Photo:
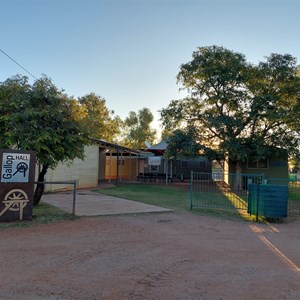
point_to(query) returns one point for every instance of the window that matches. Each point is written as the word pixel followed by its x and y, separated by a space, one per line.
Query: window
pixel 184 164
pixel 258 164
pixel 153 168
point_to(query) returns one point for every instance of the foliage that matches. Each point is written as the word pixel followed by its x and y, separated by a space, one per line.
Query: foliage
pixel 294 165
pixel 97 120
pixel 182 143
pixel 138 129
pixel 238 108
pixel 39 117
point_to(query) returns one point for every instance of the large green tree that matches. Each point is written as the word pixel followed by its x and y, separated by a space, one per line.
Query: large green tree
pixel 137 129
pixel 182 143
pixel 97 119
pixel 40 117
pixel 238 108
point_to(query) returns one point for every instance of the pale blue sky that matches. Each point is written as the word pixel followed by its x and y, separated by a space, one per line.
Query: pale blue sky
pixel 129 52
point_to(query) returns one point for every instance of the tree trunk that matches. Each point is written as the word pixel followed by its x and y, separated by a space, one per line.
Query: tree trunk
pixel 238 177
pixel 39 190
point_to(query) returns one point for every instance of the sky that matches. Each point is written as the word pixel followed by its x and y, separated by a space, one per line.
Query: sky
pixel 130 52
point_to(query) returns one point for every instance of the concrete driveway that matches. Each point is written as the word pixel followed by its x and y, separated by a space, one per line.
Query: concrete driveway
pixel 89 203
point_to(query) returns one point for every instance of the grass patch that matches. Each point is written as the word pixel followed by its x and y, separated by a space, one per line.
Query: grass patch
pixel 159 195
pixel 42 214
pixel 172 197
pixel 294 192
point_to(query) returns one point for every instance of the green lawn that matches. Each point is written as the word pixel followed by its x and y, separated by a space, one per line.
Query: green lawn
pixel 168 197
pixel 42 214
pixel 171 196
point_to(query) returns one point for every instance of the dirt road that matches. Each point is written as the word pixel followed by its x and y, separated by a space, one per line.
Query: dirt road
pixel 151 256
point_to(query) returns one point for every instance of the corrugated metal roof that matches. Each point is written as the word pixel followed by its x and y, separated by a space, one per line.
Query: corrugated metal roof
pixel 105 144
pixel 160 146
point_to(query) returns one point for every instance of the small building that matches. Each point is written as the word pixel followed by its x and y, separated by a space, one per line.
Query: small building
pixel 175 169
pixel 85 172
pixel 271 167
pixel 184 167
pixel 104 161
pixel 259 171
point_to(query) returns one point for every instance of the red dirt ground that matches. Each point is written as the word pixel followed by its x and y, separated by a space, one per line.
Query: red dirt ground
pixel 151 256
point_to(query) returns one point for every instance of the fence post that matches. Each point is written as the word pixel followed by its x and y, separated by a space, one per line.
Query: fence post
pixel 74 197
pixel 191 191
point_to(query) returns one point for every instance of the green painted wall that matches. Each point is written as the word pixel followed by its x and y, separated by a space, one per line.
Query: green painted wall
pixel 277 168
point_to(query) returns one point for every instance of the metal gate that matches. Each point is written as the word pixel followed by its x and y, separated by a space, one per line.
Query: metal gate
pixel 61 194
pixel 230 191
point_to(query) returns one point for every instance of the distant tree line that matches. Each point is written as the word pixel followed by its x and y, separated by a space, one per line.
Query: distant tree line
pixel 233 108
pixel 42 118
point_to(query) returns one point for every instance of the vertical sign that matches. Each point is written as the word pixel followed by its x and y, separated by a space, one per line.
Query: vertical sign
pixel 16 184
pixel 15 167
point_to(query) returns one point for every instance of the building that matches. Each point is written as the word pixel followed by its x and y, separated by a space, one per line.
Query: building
pixel 104 161
pixel 175 169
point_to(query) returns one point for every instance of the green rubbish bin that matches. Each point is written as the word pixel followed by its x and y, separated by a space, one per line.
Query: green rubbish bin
pixel 268 200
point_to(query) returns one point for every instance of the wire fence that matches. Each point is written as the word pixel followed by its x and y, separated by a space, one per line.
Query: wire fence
pixel 61 194
pixel 231 191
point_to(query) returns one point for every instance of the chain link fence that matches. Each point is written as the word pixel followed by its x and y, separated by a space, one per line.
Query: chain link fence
pixel 230 191
pixel 61 194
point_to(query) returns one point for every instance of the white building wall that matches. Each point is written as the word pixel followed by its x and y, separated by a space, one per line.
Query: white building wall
pixel 85 172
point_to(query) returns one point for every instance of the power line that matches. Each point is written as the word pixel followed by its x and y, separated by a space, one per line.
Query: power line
pixel 18 64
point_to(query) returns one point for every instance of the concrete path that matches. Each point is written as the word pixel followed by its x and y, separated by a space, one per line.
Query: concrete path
pixel 90 203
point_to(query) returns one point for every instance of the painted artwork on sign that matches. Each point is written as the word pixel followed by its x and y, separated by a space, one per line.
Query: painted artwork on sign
pixel 15 200
pixel 17 177
pixel 15 167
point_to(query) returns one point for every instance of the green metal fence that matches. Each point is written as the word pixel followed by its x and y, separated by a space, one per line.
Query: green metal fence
pixel 231 191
